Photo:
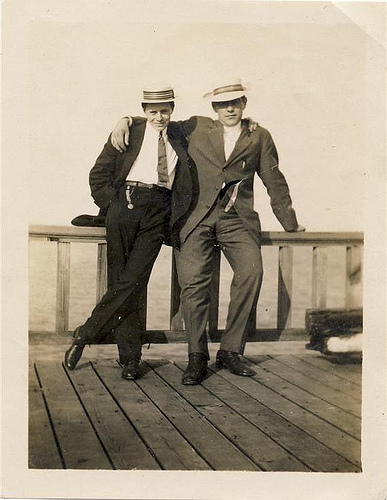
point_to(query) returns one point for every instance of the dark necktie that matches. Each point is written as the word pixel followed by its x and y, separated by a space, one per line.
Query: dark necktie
pixel 162 168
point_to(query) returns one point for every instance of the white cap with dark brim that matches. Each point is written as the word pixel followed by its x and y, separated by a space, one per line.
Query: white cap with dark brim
pixel 233 90
pixel 158 95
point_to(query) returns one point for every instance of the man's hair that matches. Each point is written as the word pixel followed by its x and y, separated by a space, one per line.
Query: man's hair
pixel 145 104
pixel 216 105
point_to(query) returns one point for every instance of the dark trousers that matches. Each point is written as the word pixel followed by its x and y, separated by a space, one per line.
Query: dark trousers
pixel 134 238
pixel 194 267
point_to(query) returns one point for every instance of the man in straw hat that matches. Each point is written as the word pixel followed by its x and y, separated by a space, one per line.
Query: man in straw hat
pixel 134 189
pixel 227 155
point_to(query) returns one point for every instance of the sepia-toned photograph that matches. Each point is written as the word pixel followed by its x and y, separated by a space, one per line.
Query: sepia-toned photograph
pixel 195 225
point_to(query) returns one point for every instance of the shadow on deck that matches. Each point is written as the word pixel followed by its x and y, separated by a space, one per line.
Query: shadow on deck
pixel 300 412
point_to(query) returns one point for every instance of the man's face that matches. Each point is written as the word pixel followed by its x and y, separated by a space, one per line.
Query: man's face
pixel 230 112
pixel 158 115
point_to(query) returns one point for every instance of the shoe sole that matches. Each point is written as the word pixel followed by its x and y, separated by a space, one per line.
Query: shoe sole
pixel 191 383
pixel 220 365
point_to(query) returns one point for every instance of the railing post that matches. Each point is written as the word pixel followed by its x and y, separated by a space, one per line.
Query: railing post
pixel 319 277
pixel 101 271
pixel 175 315
pixel 353 276
pixel 63 286
pixel 285 282
pixel 214 294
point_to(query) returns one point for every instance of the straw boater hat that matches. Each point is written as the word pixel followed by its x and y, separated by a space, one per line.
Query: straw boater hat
pixel 155 95
pixel 230 90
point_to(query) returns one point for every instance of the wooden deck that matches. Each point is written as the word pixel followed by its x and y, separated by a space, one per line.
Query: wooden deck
pixel 300 412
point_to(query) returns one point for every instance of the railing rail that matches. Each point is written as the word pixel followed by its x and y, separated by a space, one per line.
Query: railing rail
pixel 319 241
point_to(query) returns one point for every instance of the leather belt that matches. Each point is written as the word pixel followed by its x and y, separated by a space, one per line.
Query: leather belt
pixel 145 185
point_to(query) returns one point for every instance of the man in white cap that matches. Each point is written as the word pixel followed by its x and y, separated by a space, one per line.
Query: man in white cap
pixel 227 155
pixel 134 189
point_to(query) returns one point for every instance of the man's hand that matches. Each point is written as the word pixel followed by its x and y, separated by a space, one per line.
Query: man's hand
pixel 120 134
pixel 252 125
pixel 299 229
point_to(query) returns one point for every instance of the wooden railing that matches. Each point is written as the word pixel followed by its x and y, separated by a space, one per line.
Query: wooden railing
pixel 352 241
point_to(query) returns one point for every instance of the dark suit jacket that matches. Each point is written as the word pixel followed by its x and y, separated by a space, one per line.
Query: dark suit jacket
pixel 254 152
pixel 112 167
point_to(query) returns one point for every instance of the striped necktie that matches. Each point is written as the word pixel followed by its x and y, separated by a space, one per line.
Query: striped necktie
pixel 162 168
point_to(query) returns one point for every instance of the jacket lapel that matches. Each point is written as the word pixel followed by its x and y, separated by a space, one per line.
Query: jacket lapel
pixel 215 136
pixel 175 143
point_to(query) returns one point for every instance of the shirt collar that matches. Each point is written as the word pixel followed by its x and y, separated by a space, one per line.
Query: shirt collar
pixel 157 132
pixel 235 129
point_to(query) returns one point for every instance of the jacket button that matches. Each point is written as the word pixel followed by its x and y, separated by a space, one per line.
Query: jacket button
pixel 216 188
pixel 208 206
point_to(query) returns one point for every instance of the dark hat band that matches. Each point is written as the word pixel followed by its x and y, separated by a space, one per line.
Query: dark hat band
pixel 229 88
pixel 164 95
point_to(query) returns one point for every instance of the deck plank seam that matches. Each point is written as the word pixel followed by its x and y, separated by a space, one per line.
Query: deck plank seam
pixel 260 466
pixel 316 416
pixel 321 367
pixel 200 414
pixel 89 419
pixel 314 378
pixel 285 421
pixel 293 424
pixel 45 402
pixel 351 413
pixel 139 434
pixel 288 365
pixel 248 420
pixel 310 410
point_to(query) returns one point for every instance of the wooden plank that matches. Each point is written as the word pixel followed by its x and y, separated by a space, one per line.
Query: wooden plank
pixel 268 238
pixel 265 388
pixel 285 283
pixel 213 315
pixel 311 403
pixel 101 271
pixel 171 449
pixel 345 369
pixel 319 277
pixel 328 378
pixel 316 387
pixel 79 444
pixel 263 450
pixel 43 452
pixel 179 337
pixel 121 442
pixel 208 442
pixel 311 452
pixel 63 287
pixel 353 276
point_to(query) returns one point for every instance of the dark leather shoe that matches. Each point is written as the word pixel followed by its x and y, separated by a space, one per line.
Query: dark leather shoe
pixel 231 361
pixel 196 369
pixel 73 355
pixel 130 369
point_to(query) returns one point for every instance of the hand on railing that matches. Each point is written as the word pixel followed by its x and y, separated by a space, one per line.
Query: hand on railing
pixel 299 229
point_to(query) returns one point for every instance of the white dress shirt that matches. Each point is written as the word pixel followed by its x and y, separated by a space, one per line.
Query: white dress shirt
pixel 231 135
pixel 144 168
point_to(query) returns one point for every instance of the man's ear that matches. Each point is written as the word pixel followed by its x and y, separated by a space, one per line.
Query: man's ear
pixel 244 102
